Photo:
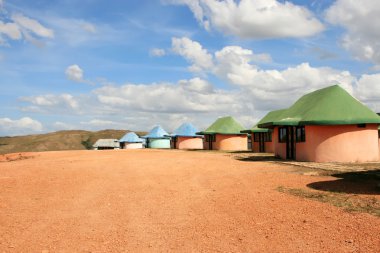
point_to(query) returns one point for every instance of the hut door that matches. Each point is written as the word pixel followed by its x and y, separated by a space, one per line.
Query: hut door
pixel 210 142
pixel 261 143
pixel 290 143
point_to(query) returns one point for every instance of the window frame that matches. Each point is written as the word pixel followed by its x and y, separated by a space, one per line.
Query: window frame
pixel 300 134
pixel 282 134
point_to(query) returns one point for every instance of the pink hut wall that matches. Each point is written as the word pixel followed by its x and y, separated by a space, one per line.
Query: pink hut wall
pixel 189 143
pixel 279 148
pixel 346 143
pixel 269 146
pixel 230 142
pixel 340 143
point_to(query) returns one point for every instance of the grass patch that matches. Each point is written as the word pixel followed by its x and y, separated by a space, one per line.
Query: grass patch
pixel 349 202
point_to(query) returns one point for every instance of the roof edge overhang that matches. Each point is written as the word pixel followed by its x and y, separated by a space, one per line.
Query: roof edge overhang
pixel 208 133
pixel 193 136
pixel 319 123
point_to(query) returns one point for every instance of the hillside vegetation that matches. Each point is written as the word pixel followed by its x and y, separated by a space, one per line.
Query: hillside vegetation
pixel 61 140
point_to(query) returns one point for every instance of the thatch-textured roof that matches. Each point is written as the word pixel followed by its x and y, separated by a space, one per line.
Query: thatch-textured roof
pixel 111 143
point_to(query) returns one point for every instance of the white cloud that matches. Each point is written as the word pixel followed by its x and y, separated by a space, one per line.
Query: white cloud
pixel 76 74
pixel 157 52
pixel 11 30
pixel 256 19
pixel 22 27
pixel 63 103
pixel 99 123
pixel 32 25
pixel 368 88
pixel 270 89
pixel 360 19
pixel 193 52
pixel 196 85
pixel 19 126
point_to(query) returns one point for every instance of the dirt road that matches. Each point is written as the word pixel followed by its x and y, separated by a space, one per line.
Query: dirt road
pixel 167 201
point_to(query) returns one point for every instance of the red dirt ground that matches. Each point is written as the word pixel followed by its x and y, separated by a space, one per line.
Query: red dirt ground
pixel 167 201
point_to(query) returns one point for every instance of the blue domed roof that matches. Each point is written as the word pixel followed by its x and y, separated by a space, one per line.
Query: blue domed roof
pixel 157 132
pixel 131 137
pixel 186 129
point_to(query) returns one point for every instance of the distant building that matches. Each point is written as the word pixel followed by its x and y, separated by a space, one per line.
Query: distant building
pixel 261 139
pixel 185 137
pixel 102 144
pixel 157 138
pixel 327 125
pixel 224 134
pixel 131 141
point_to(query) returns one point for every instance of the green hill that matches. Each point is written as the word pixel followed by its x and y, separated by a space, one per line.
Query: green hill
pixel 61 140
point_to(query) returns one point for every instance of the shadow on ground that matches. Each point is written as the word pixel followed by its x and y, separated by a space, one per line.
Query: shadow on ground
pixel 256 157
pixel 362 182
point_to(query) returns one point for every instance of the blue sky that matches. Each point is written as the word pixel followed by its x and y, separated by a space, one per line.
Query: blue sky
pixel 133 64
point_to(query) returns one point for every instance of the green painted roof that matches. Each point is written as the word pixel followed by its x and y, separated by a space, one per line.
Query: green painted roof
pixel 256 129
pixel 225 125
pixel 329 106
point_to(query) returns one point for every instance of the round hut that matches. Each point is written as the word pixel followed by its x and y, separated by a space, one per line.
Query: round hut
pixel 185 137
pixel 157 138
pixel 131 141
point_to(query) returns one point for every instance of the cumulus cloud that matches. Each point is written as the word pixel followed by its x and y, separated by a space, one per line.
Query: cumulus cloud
pixel 360 19
pixel 255 19
pixel 62 103
pixel 157 52
pixel 368 90
pixel 193 52
pixel 76 74
pixel 19 126
pixel 269 89
pixel 193 95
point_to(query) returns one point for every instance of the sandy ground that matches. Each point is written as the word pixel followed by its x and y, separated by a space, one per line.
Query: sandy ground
pixel 167 201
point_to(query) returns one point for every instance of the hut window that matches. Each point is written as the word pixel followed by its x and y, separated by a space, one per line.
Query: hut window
pixel 268 137
pixel 378 134
pixel 282 133
pixel 210 138
pixel 256 137
pixel 361 125
pixel 300 134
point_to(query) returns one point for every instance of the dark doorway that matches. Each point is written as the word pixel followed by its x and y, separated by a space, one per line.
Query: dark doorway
pixel 290 143
pixel 261 143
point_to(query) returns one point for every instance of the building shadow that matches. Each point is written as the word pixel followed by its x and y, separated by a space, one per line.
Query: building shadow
pixel 257 157
pixel 363 182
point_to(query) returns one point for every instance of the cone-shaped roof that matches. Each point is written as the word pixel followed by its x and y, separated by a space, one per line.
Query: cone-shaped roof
pixel 224 125
pixel 328 106
pixel 131 137
pixel 186 129
pixel 157 132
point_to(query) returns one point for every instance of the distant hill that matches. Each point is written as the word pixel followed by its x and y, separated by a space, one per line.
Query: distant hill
pixel 61 140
